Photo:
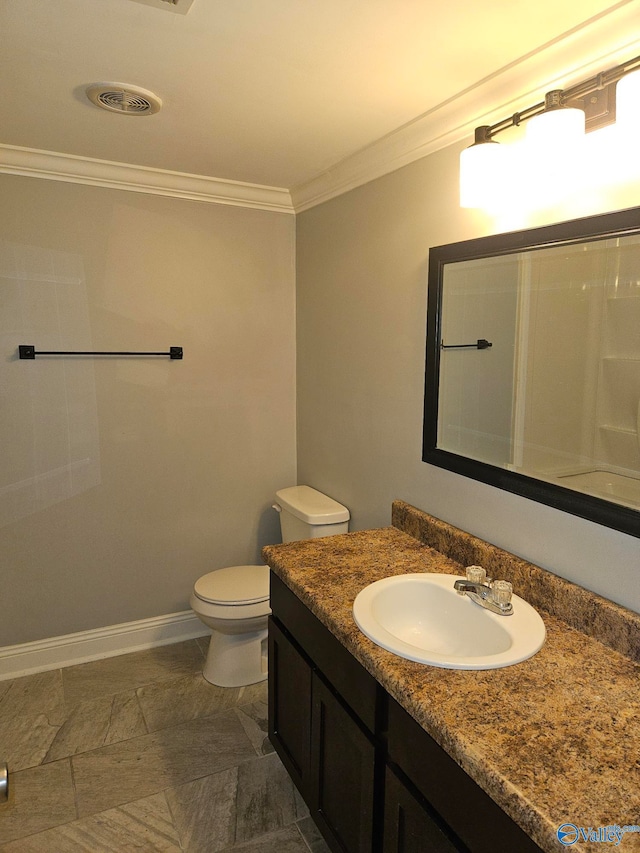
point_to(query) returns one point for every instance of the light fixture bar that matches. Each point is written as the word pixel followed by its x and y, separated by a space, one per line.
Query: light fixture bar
pixel 554 141
pixel 567 97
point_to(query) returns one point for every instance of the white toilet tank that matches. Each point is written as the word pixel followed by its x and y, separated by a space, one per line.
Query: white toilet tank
pixel 308 514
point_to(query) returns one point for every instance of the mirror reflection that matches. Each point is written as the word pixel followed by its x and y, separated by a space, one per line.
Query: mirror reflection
pixel 534 368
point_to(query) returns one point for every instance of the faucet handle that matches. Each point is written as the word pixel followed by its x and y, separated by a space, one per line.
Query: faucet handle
pixel 476 574
pixel 502 592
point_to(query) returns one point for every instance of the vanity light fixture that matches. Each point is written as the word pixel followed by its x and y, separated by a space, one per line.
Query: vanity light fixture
pixel 556 127
pixel 482 166
pixel 557 122
pixel 627 101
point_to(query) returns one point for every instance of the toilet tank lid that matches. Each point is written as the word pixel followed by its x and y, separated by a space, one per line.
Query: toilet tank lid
pixel 312 506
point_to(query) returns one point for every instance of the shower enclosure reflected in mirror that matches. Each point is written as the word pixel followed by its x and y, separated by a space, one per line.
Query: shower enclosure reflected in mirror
pixel 533 365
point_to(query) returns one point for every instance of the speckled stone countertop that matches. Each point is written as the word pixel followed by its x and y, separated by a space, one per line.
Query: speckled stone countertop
pixel 553 740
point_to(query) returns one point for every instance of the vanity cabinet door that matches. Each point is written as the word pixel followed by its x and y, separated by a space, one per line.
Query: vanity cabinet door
pixel 459 802
pixel 408 825
pixel 290 706
pixel 342 772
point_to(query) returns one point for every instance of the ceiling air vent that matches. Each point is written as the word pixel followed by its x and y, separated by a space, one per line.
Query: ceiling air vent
pixel 123 98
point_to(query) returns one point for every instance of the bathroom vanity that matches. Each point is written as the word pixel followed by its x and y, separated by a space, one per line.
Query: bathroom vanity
pixel 392 755
pixel 363 765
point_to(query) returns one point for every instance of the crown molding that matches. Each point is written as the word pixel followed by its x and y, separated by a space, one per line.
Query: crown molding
pixel 604 41
pixel 70 168
pixel 600 43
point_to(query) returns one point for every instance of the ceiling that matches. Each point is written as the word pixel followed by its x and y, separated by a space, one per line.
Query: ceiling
pixel 271 92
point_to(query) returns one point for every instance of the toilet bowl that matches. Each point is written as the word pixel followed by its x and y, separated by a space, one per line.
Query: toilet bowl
pixel 234 601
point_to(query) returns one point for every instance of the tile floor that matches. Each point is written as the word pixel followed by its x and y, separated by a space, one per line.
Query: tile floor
pixel 139 753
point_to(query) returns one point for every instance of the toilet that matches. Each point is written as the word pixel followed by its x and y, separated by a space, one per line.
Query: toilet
pixel 234 601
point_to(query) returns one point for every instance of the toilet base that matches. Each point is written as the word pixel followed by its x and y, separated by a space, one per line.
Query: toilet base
pixel 236 660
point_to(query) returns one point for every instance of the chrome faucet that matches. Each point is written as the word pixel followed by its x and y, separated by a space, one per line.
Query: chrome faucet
pixel 492 595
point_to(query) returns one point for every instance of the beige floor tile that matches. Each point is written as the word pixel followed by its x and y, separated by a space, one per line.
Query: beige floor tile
pixel 25 740
pixel 203 642
pixel 204 812
pixel 31 713
pixel 144 826
pixel 238 805
pixel 157 754
pixel 98 722
pixel 253 693
pixel 128 672
pixel 39 798
pixel 255 721
pixel 32 695
pixel 312 835
pixel 169 703
pixel 267 799
pixel 287 840
pixel 124 772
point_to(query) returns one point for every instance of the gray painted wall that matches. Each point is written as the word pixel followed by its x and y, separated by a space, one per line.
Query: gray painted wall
pixel 123 480
pixel 361 313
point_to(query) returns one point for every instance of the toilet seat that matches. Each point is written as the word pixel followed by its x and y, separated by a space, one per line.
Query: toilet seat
pixel 234 586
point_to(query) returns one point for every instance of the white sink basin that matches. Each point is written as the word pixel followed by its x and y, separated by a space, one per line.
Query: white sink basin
pixel 422 618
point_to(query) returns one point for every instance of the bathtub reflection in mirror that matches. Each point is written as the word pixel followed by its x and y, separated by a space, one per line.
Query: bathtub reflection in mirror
pixel 533 365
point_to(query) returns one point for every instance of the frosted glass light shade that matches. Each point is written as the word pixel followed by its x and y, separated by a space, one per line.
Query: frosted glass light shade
pixel 628 101
pixel 481 174
pixel 554 144
pixel 622 162
pixel 562 126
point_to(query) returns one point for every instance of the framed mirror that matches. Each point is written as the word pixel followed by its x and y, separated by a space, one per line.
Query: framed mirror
pixel 533 365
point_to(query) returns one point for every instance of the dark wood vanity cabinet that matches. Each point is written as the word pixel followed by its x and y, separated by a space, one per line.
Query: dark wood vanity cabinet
pixel 328 750
pixel 342 773
pixel 374 780
pixel 410 825
pixel 290 676
pixel 457 805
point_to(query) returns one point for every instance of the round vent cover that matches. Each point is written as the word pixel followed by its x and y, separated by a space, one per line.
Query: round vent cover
pixel 123 98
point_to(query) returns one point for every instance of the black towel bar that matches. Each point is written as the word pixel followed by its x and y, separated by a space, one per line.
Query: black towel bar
pixel 481 343
pixel 29 351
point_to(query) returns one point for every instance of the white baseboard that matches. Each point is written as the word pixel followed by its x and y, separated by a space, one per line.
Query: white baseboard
pixel 56 652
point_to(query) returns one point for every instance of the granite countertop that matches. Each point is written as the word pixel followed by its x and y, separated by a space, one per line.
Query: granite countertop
pixel 554 739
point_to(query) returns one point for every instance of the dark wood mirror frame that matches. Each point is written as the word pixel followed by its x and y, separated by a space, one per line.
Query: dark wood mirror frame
pixel 599 510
